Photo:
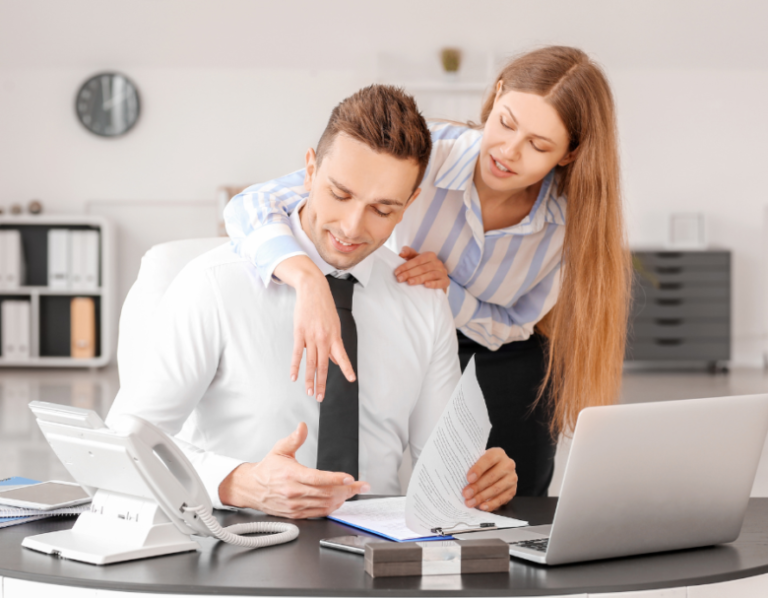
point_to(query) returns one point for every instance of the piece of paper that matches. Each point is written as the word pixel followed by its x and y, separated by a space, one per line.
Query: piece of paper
pixel 458 440
pixel 434 496
pixel 381 516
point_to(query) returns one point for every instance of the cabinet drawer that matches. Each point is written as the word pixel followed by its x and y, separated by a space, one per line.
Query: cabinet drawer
pixel 651 259
pixel 681 290
pixel 681 274
pixel 679 349
pixel 679 328
pixel 649 308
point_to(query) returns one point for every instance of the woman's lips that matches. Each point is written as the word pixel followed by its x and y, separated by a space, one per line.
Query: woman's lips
pixel 341 247
pixel 496 171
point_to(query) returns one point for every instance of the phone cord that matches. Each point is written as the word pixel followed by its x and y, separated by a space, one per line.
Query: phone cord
pixel 280 532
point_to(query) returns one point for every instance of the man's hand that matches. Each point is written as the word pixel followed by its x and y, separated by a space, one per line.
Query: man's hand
pixel 492 481
pixel 422 268
pixel 279 485
pixel 316 324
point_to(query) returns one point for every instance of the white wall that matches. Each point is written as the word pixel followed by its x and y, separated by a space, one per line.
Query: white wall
pixel 233 91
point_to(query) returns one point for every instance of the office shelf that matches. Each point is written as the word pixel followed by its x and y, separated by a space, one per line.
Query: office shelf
pixel 50 325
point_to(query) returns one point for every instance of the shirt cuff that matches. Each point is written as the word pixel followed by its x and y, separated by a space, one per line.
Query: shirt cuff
pixel 212 470
pixel 266 255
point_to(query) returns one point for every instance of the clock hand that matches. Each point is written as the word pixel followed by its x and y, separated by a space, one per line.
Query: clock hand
pixel 111 101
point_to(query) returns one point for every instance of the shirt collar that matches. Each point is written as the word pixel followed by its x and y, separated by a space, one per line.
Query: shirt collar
pixel 457 170
pixel 361 271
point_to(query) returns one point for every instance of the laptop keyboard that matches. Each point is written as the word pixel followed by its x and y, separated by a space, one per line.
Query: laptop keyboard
pixel 539 545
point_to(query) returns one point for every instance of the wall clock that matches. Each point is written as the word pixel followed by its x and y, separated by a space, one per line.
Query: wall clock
pixel 107 104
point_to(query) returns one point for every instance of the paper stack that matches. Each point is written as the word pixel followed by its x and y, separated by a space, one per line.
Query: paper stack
pixel 73 259
pixel 16 329
pixel 11 259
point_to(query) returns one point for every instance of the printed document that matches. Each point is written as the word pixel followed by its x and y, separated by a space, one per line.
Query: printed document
pixel 434 496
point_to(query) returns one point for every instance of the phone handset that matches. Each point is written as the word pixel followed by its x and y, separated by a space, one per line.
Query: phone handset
pixel 180 492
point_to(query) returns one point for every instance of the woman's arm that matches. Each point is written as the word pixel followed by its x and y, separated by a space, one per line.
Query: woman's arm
pixel 258 222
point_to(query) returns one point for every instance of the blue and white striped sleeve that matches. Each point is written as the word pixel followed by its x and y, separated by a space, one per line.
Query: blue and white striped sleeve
pixel 258 222
pixel 494 325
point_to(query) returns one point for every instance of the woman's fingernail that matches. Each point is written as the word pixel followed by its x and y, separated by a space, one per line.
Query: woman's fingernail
pixel 468 492
pixel 484 506
pixel 365 489
pixel 472 478
pixel 349 480
pixel 319 398
pixel 309 392
pixel 293 378
pixel 400 278
pixel 471 502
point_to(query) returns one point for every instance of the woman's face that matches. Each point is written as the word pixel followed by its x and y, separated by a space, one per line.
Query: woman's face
pixel 523 140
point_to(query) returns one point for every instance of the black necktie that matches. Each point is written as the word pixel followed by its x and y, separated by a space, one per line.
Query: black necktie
pixel 337 438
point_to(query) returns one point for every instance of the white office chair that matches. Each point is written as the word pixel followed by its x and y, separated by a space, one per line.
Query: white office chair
pixel 159 267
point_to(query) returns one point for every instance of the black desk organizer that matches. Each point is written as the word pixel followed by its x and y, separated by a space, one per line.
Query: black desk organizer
pixel 681 307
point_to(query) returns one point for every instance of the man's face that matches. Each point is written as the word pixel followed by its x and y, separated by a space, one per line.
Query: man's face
pixel 356 197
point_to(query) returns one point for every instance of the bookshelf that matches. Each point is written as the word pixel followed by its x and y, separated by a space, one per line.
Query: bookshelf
pixel 50 326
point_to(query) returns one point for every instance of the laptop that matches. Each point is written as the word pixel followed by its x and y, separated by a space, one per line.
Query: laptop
pixel 651 477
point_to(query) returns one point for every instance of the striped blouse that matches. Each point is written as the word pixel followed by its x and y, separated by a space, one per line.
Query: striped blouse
pixel 502 282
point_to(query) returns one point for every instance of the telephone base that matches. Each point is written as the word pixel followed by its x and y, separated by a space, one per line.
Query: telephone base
pixel 68 544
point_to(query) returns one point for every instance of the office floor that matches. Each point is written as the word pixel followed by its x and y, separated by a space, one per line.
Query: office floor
pixel 24 452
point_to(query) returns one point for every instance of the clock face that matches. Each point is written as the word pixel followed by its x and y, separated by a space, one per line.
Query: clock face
pixel 108 104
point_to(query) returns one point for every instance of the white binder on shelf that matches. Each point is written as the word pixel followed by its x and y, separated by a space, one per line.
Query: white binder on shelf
pixel 58 258
pixel 23 329
pixel 8 322
pixel 91 256
pixel 76 259
pixel 15 316
pixel 3 251
pixel 11 259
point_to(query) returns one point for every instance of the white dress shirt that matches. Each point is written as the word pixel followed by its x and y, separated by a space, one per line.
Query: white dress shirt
pixel 216 372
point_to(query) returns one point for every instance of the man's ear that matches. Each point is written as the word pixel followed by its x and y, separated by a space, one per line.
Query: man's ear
pixel 310 162
pixel 569 157
pixel 413 196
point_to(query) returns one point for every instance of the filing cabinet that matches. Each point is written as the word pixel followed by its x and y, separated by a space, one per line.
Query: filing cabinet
pixel 681 307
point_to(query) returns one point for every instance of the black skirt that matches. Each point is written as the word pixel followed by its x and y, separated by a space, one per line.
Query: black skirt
pixel 510 379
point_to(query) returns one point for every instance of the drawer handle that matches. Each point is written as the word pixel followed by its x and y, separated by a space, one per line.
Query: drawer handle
pixel 670 286
pixel 669 270
pixel 669 321
pixel 669 342
pixel 669 301
pixel 669 255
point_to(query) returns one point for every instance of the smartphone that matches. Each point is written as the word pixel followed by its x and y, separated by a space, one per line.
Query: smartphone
pixel 45 496
pixel 354 544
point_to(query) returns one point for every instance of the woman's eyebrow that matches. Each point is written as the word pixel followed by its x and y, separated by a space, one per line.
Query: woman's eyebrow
pixel 512 116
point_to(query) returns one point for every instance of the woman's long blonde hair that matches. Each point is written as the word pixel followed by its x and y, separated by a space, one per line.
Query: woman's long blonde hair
pixel 587 327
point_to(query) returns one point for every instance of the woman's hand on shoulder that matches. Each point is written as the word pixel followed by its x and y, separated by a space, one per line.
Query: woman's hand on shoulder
pixel 422 268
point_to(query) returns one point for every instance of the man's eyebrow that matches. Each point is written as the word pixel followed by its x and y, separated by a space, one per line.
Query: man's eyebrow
pixel 348 191
pixel 532 134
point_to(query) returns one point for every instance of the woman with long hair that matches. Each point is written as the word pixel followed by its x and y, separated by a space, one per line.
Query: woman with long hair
pixel 520 222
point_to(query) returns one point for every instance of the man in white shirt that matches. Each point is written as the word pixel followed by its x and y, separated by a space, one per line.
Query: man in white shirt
pixel 213 372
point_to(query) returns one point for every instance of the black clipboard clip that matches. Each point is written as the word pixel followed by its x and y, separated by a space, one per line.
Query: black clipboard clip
pixel 450 531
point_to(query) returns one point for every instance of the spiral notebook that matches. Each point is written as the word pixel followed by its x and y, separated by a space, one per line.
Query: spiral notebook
pixel 14 516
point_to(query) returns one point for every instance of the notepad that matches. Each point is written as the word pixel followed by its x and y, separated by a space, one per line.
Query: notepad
pixel 386 517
